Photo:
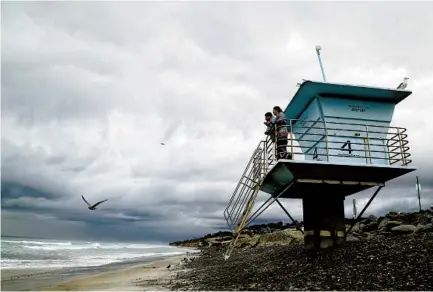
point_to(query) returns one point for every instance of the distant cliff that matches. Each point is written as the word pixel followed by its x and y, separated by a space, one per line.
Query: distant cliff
pixel 278 233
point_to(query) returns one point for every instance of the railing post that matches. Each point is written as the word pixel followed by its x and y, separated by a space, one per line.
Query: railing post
pixel 291 139
pixel 366 145
pixel 264 160
pixel 326 140
pixel 275 142
pixel 365 150
pixel 401 147
pixel 404 143
pixel 367 140
pixel 386 141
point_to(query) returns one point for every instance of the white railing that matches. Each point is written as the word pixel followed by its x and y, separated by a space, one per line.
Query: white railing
pixel 340 142
pixel 245 191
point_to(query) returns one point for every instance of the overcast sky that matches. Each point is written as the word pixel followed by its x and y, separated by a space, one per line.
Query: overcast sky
pixel 90 89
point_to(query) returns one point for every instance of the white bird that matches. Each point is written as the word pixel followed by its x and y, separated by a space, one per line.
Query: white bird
pixel 403 85
pixel 300 83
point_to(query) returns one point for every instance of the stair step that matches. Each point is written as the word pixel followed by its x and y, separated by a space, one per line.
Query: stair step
pixel 247 186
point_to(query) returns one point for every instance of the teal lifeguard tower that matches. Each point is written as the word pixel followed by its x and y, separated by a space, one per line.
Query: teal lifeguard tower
pixel 346 145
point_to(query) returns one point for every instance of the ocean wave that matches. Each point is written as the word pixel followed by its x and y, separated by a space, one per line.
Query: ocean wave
pixel 93 245
pixel 81 261
pixel 37 242
pixel 31 255
pixel 27 253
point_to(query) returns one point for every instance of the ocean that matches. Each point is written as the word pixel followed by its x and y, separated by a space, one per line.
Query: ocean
pixel 27 253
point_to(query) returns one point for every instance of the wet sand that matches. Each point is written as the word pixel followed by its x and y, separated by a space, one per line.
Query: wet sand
pixel 148 276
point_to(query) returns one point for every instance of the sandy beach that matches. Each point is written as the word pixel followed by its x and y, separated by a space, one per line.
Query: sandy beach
pixel 150 276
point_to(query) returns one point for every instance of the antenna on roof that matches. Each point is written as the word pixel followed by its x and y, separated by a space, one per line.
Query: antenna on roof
pixel 318 48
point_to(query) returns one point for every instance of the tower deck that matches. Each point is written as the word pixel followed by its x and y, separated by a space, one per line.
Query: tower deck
pixel 326 178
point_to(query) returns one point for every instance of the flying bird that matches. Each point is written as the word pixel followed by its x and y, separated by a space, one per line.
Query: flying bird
pixel 94 206
pixel 403 85
pixel 162 143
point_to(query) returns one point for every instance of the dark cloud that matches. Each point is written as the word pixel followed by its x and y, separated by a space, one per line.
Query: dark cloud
pixel 12 190
pixel 91 89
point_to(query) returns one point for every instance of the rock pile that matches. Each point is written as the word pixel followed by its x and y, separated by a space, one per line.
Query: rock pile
pixel 277 233
pixel 403 262
pixel 392 224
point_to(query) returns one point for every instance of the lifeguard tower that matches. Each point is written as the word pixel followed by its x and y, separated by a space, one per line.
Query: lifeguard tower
pixel 346 145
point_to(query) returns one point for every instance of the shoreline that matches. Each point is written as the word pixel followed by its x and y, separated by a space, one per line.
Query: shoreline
pixel 152 275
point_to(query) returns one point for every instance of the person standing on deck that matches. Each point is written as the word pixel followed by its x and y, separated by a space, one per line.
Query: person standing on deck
pixel 270 131
pixel 282 133
pixel 269 122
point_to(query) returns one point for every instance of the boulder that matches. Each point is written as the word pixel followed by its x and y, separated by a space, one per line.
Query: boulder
pixel 371 236
pixel 187 260
pixel 391 215
pixel 423 228
pixel 424 218
pixel 369 219
pixel 351 238
pixel 283 237
pixel 403 229
pixel 383 223
pixel 372 218
pixel 387 224
pixel 370 226
pixel 355 228
pixel 358 227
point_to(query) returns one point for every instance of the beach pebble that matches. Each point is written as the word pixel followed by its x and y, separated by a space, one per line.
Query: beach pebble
pixel 394 262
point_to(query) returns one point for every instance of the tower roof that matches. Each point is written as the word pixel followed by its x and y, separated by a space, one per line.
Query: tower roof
pixel 311 89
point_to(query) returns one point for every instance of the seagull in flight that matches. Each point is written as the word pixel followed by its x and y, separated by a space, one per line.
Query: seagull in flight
pixel 162 143
pixel 94 206
pixel 403 85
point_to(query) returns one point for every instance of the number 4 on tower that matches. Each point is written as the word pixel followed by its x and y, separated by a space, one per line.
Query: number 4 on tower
pixel 349 146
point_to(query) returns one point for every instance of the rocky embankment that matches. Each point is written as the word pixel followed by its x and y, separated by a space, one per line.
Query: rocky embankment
pixel 401 262
pixel 394 252
pixel 278 234
pixel 249 236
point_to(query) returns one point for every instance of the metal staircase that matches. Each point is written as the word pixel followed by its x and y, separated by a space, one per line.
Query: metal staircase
pixel 242 201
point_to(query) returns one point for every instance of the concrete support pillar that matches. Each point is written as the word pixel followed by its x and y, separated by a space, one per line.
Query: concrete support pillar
pixel 324 224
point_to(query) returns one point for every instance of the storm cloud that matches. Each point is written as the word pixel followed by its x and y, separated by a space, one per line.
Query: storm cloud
pixel 91 89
